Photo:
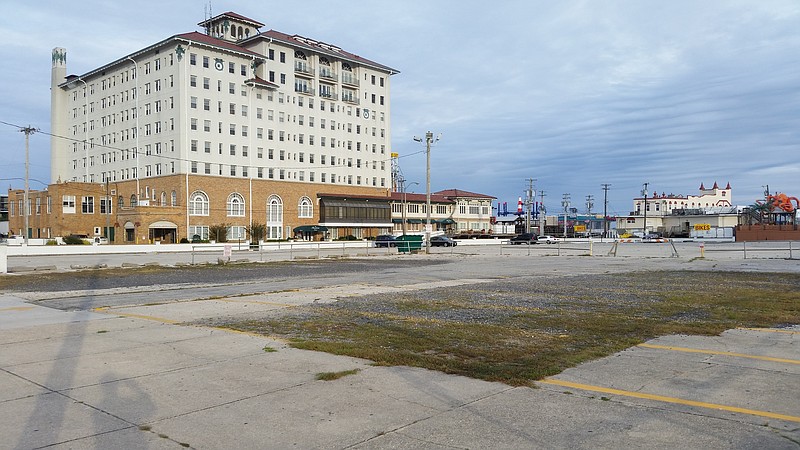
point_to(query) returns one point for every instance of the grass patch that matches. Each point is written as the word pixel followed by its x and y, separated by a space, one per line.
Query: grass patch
pixel 330 376
pixel 102 331
pixel 268 349
pixel 521 330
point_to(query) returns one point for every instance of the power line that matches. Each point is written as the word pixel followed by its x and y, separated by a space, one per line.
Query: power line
pixel 138 152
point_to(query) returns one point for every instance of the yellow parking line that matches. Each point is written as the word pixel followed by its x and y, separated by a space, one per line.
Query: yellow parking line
pixel 17 308
pixel 679 401
pixel 714 352
pixel 137 316
pixel 255 302
pixel 769 330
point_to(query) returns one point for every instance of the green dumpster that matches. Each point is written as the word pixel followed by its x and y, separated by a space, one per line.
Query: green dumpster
pixel 408 243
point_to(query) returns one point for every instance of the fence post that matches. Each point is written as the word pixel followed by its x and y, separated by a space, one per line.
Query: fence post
pixel 591 247
pixel 790 250
pixel 744 248
pixel 3 258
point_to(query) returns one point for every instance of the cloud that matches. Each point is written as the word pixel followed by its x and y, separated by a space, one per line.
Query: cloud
pixel 573 93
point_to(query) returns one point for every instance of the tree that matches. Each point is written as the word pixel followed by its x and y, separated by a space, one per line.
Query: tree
pixel 256 231
pixel 218 232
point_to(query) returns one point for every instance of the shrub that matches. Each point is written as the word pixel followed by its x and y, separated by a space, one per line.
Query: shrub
pixel 73 240
pixel 257 231
pixel 218 232
pixel 184 241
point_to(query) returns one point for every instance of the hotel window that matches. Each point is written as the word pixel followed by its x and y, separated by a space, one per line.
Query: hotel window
pixel 205 61
pixel 235 205
pixel 193 81
pixel 305 208
pixel 68 204
pixel 87 205
pixel 198 204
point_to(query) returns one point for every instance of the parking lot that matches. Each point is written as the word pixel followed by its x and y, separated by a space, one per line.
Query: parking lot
pixel 131 367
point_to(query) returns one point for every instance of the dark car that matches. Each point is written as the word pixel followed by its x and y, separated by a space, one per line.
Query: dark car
pixel 442 241
pixel 524 238
pixel 385 240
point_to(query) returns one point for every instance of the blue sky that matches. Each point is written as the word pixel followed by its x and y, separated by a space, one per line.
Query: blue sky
pixel 571 93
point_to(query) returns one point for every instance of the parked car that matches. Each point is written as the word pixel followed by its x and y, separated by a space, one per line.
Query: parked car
pixel 547 239
pixel 442 241
pixel 385 240
pixel 524 238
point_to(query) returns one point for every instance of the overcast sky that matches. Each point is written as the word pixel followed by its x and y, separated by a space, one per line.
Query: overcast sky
pixel 571 93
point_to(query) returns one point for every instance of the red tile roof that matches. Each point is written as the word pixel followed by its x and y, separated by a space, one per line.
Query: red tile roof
pixel 321 47
pixel 460 193
pixel 201 38
pixel 233 15
pixel 413 197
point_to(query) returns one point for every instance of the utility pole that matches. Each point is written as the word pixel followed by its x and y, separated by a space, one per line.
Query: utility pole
pixel 606 187
pixel 565 203
pixel 542 212
pixel 529 195
pixel 428 141
pixel 589 204
pixel 644 193
pixel 25 198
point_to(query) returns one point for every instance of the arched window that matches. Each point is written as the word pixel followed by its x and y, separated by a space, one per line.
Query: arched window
pixel 274 217
pixel 247 32
pixel 346 67
pixel 120 201
pixel 300 55
pixel 133 200
pixel 235 205
pixel 198 204
pixel 174 199
pixel 163 198
pixel 305 209
pixel 324 61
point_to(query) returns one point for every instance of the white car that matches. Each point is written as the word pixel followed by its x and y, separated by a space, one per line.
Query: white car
pixel 547 239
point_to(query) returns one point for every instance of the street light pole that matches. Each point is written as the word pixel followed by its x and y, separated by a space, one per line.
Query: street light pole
pixel 644 226
pixel 26 197
pixel 606 186
pixel 565 204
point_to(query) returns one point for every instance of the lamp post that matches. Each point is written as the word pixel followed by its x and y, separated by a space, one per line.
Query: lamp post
pixel 405 203
pixel 644 226
pixel 26 196
pixel 428 141
pixel 565 203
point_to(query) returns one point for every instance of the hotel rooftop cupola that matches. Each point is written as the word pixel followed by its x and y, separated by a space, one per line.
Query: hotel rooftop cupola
pixel 231 27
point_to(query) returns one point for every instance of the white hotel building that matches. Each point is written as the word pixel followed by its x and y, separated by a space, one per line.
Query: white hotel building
pixel 230 125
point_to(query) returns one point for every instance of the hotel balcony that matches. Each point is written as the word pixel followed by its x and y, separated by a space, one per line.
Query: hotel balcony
pixel 327 74
pixel 328 95
pixel 350 99
pixel 304 90
pixel 349 78
pixel 301 68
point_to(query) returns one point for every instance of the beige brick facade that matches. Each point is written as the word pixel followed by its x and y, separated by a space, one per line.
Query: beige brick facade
pixel 58 220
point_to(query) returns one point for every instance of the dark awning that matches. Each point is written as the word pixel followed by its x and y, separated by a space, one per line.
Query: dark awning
pixel 448 221
pixel 310 229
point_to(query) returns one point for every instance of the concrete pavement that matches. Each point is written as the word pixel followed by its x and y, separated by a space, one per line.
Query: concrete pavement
pixel 142 376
